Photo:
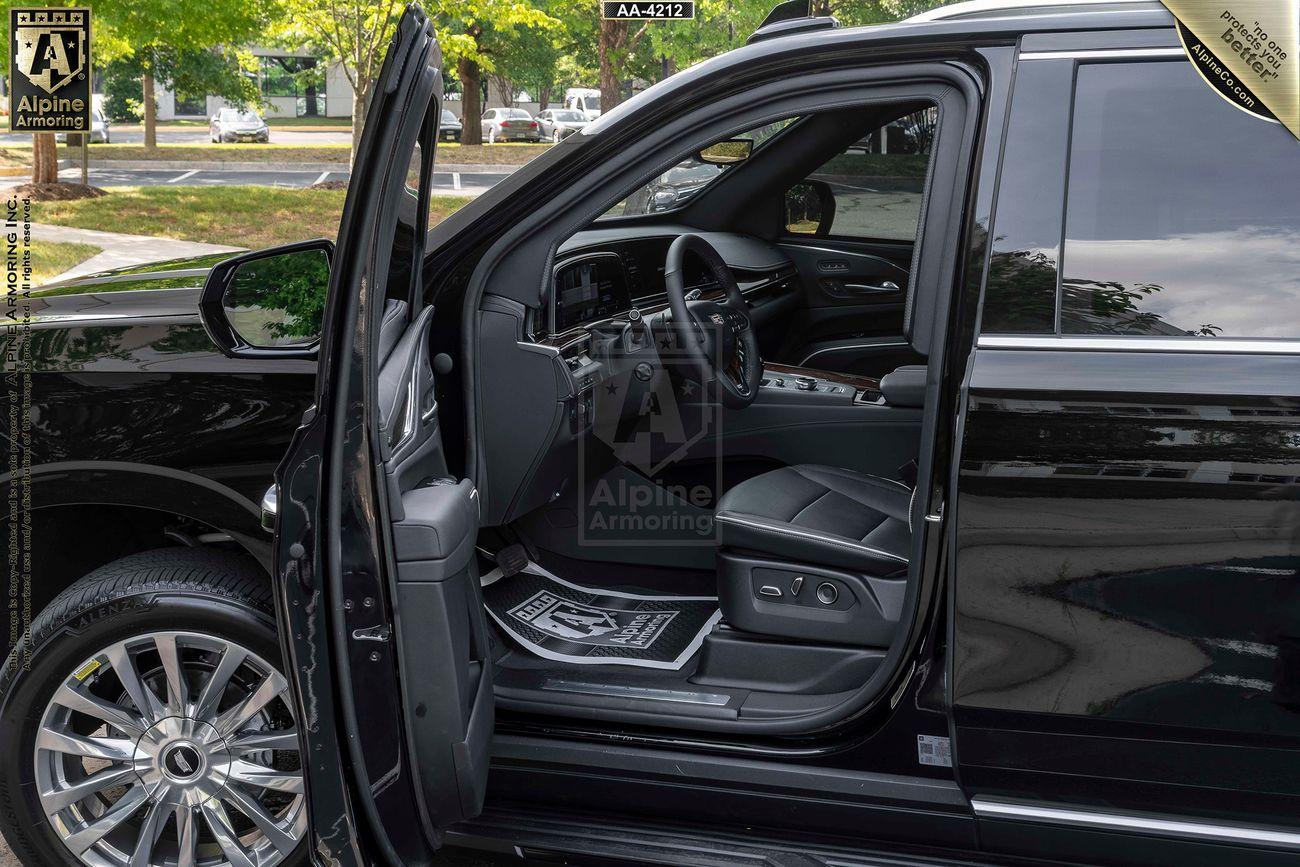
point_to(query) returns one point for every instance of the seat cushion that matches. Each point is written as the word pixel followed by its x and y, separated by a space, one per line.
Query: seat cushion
pixel 820 515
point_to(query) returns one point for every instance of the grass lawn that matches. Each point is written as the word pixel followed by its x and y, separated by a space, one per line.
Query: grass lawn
pixel 322 153
pixel 241 216
pixel 505 154
pixel 13 157
pixel 340 122
pixel 50 259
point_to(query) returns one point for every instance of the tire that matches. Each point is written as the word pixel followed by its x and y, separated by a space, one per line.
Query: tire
pixel 204 602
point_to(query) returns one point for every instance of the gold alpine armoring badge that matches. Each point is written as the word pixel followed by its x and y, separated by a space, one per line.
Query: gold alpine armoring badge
pixel 1248 51
pixel 49 70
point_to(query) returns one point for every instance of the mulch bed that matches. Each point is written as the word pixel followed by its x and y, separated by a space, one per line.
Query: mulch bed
pixel 330 185
pixel 58 192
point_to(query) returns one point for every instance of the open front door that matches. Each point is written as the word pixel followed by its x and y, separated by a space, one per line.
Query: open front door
pixel 375 537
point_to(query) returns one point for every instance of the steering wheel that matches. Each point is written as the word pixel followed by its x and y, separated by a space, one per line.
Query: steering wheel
pixel 717 335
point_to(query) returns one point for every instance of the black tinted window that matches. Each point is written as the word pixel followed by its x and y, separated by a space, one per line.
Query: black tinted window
pixel 1020 293
pixel 1182 211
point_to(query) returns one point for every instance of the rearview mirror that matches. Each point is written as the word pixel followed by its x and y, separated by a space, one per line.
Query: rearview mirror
pixel 269 303
pixel 809 208
pixel 726 153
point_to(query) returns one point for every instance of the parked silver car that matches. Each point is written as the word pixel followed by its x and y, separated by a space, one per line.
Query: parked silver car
pixel 238 124
pixel 560 123
pixel 510 124
pixel 98 129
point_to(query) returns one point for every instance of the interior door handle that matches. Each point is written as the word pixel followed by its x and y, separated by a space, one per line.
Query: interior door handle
pixel 888 286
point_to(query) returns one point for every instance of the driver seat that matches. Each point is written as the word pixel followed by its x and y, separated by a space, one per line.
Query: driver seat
pixel 847 535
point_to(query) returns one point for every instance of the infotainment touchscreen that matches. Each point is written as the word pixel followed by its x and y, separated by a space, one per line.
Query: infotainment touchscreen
pixel 590 289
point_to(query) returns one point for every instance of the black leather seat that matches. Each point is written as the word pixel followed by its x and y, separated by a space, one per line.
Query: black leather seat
pixel 820 515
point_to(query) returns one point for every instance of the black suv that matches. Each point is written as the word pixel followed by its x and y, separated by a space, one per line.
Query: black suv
pixel 919 482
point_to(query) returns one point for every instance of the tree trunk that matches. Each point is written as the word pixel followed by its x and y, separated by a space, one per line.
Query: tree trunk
pixel 613 36
pixel 543 97
pixel 359 106
pixel 470 106
pixel 150 112
pixel 45 165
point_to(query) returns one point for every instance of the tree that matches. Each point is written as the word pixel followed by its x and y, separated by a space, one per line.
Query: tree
pixel 226 73
pixel 162 36
pixel 478 36
pixel 536 66
pixel 353 33
pixel 610 48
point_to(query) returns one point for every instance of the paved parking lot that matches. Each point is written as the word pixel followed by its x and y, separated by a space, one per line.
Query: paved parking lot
pixel 447 183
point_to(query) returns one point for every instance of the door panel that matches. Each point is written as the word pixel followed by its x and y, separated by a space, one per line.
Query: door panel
pixel 1127 627
pixel 442 630
pixel 409 408
pixel 851 319
pixel 368 511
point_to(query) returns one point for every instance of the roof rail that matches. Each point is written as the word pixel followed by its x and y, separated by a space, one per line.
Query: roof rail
pixel 993 7
pixel 791 16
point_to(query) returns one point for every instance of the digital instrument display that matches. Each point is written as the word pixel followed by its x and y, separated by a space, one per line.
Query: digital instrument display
pixel 590 289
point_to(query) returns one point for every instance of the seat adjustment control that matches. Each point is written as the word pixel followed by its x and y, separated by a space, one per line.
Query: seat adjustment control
pixel 827 593
pixel 769 590
pixel 796 586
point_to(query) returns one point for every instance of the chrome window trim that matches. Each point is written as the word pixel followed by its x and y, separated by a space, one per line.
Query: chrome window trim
pixel 1276 346
pixel 851 346
pixel 1138 823
pixel 1103 54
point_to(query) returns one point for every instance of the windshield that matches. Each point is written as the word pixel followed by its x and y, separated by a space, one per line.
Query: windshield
pixel 591 103
pixel 675 187
pixel 572 116
pixel 234 115
pixel 448 117
pixel 516 114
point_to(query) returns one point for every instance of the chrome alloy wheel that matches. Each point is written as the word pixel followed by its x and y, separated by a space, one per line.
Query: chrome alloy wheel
pixel 172 749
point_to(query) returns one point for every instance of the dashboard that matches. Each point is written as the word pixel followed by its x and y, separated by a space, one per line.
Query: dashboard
pixel 601 274
pixel 589 288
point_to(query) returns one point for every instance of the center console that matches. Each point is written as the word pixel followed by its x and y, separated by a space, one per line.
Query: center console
pixel 800 385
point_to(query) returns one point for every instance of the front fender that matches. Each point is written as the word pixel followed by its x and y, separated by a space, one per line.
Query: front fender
pixel 162 489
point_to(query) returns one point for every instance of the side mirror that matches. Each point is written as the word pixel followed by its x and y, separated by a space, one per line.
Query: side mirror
pixel 268 303
pixel 809 208
pixel 726 153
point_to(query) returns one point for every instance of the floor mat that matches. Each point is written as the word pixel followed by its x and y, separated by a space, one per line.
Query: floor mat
pixel 587 626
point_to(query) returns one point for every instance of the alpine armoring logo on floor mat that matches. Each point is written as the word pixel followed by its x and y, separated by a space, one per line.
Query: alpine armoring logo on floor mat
pixel 584 624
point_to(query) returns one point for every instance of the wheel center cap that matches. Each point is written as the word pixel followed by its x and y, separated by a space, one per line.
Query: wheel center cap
pixel 182 761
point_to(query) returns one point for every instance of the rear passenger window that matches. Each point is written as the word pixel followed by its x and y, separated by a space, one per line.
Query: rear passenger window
pixel 1182 212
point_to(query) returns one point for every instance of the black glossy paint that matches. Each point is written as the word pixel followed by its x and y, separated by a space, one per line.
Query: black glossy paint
pixel 123 372
pixel 1127 567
